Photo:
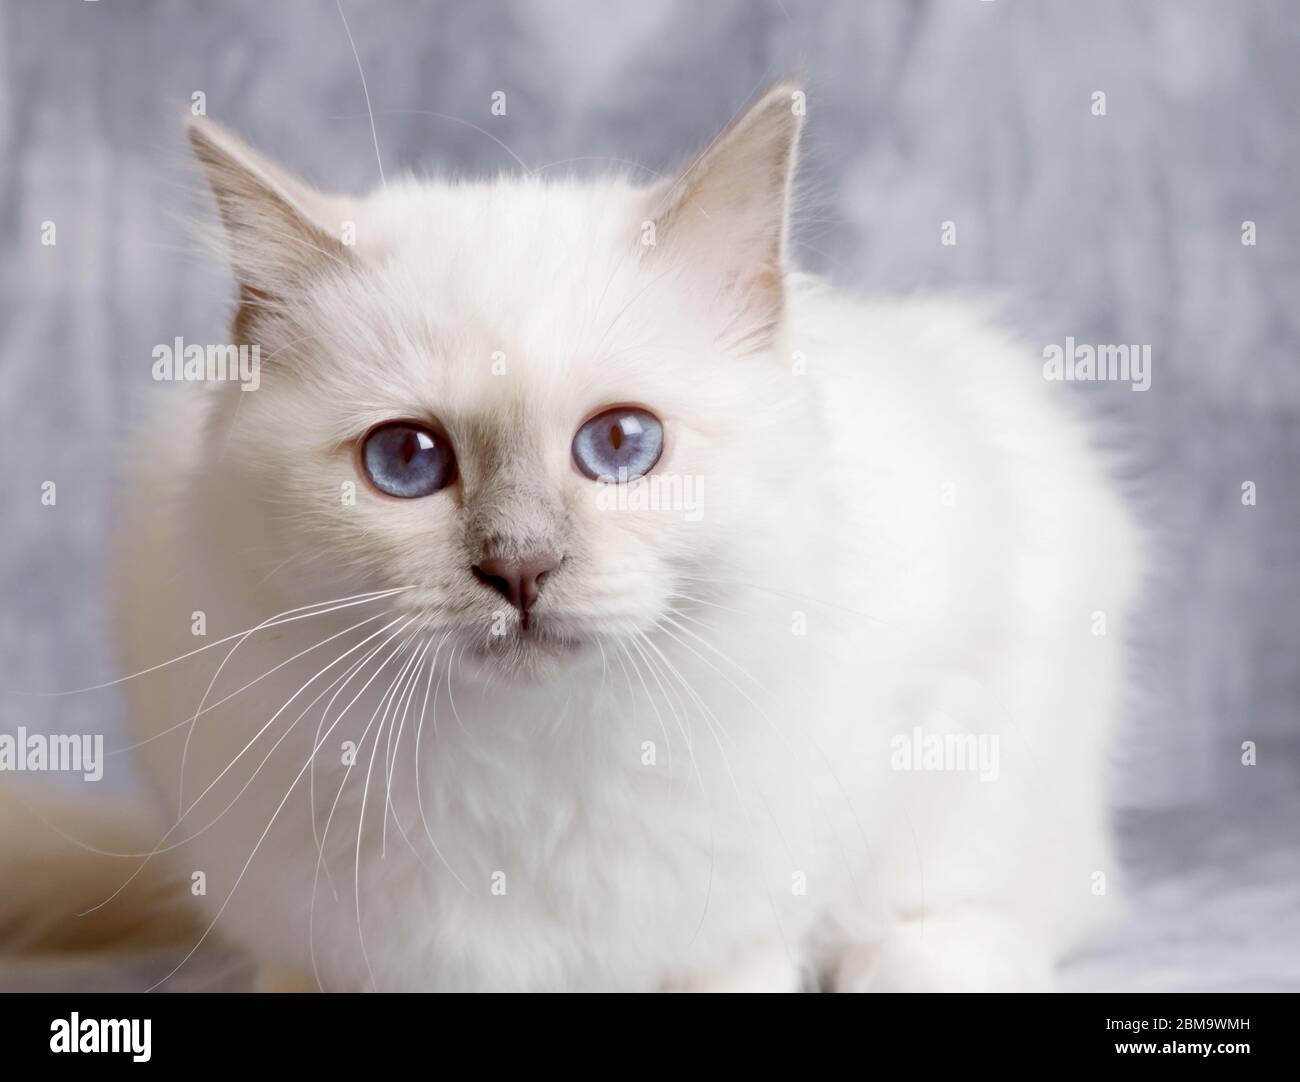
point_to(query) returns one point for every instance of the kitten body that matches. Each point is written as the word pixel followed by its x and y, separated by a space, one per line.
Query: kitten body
pixel 829 708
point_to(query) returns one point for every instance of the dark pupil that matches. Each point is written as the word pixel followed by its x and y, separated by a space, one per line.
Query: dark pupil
pixel 407 461
pixel 616 436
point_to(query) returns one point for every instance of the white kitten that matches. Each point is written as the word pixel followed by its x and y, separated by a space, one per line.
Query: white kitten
pixel 725 748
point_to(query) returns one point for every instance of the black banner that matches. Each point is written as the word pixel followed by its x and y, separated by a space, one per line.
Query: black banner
pixel 216 1031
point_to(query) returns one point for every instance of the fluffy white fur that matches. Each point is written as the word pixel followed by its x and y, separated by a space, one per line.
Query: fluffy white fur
pixel 901 526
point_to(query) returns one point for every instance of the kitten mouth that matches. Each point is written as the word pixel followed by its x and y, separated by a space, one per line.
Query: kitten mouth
pixel 529 639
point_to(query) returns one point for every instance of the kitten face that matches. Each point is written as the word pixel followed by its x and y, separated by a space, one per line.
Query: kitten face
pixel 500 318
pixel 508 357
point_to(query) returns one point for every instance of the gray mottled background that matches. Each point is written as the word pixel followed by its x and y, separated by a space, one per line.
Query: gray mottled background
pixel 1122 228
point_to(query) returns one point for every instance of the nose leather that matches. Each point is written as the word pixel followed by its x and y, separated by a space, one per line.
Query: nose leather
pixel 517 579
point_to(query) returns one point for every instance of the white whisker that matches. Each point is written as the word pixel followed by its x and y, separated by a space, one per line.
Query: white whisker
pixel 320 856
pixel 274 621
pixel 160 848
pixel 257 846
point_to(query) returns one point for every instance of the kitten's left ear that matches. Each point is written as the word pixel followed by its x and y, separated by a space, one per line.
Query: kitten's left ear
pixel 282 232
pixel 729 210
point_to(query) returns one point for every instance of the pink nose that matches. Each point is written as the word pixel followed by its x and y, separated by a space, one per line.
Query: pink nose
pixel 518 581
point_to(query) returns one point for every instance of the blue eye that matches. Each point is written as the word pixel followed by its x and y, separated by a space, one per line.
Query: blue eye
pixel 407 460
pixel 619 445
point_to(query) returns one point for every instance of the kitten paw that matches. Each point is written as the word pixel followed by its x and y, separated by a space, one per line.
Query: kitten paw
pixel 766 969
pixel 946 954
pixel 277 978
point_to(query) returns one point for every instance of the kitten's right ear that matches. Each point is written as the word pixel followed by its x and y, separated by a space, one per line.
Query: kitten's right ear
pixel 728 212
pixel 276 224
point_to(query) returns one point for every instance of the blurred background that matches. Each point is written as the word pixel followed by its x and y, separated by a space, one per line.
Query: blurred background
pixel 1115 228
